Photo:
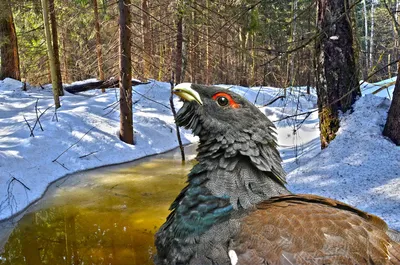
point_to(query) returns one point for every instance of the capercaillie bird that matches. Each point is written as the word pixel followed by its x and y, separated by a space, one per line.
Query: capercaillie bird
pixel 236 209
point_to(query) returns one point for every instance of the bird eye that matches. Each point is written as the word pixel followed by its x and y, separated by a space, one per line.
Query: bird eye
pixel 222 101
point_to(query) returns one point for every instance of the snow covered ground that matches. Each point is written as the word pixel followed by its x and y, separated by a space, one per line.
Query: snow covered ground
pixel 360 167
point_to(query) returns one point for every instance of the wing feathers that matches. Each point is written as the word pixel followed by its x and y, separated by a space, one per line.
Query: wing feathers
pixel 308 229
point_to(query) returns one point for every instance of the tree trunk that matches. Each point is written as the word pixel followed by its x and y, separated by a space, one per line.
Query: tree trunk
pixel 371 40
pixel 45 8
pixel 146 39
pixel 291 60
pixel 98 43
pixel 125 85
pixel 55 47
pixel 64 40
pixel 365 71
pixel 8 43
pixel 179 44
pixel 392 126
pixel 194 48
pixel 208 68
pixel 396 33
pixel 337 80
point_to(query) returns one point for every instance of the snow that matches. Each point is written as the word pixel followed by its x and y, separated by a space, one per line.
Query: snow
pixel 369 88
pixel 360 166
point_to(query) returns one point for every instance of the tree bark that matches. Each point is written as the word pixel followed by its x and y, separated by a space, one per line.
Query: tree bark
pixel 64 40
pixel 98 42
pixel 45 8
pixel 392 126
pixel 125 85
pixel 8 43
pixel 337 80
pixel 179 43
pixel 146 39
pixel 208 68
pixel 55 47
pixel 371 40
pixel 194 43
pixel 291 59
pixel 365 71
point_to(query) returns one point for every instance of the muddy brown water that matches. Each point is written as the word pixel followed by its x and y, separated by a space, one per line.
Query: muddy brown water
pixel 102 216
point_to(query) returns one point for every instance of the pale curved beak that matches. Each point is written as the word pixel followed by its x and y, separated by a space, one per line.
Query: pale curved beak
pixel 186 92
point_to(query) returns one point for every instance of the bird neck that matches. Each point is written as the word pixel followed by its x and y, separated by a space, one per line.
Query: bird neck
pixel 194 212
pixel 244 173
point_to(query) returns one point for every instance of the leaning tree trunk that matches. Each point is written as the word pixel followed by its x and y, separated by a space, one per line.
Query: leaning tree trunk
pixel 125 85
pixel 55 47
pixel 392 126
pixel 337 81
pixel 8 43
pixel 45 8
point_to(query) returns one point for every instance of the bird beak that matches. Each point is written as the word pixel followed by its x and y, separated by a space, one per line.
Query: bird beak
pixel 186 92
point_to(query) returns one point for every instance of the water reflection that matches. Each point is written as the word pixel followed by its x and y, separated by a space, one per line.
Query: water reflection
pixel 109 218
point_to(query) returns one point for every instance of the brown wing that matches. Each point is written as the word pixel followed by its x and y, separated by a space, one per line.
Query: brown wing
pixel 308 229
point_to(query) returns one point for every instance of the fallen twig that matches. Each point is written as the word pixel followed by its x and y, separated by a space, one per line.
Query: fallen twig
pixel 20 182
pixel 30 128
pixel 61 165
pixel 37 116
pixel 91 153
pixel 151 99
pixel 55 160
pixel 272 101
pixel 300 114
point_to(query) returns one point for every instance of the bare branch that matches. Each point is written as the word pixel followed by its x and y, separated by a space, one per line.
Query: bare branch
pixel 91 153
pixel 30 128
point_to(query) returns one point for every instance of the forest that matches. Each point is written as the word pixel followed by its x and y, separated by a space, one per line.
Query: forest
pixel 248 43
pixel 87 84
pixel 233 42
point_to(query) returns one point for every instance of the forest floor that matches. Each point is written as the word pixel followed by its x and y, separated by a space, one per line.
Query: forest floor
pixel 360 166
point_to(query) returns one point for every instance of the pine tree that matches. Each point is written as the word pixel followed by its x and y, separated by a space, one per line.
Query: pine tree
pixel 125 75
pixel 8 43
pixel 337 80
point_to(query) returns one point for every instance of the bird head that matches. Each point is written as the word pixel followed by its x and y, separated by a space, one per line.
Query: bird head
pixel 218 111
pixel 229 126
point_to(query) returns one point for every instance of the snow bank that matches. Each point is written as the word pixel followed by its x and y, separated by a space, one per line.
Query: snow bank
pixel 369 88
pixel 360 167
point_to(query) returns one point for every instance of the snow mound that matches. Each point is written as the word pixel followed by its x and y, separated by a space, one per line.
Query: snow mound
pixel 360 167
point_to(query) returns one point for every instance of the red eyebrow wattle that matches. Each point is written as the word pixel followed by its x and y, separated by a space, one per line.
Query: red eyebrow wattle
pixel 231 101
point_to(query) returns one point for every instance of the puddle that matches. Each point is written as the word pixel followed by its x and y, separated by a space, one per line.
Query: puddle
pixel 103 216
